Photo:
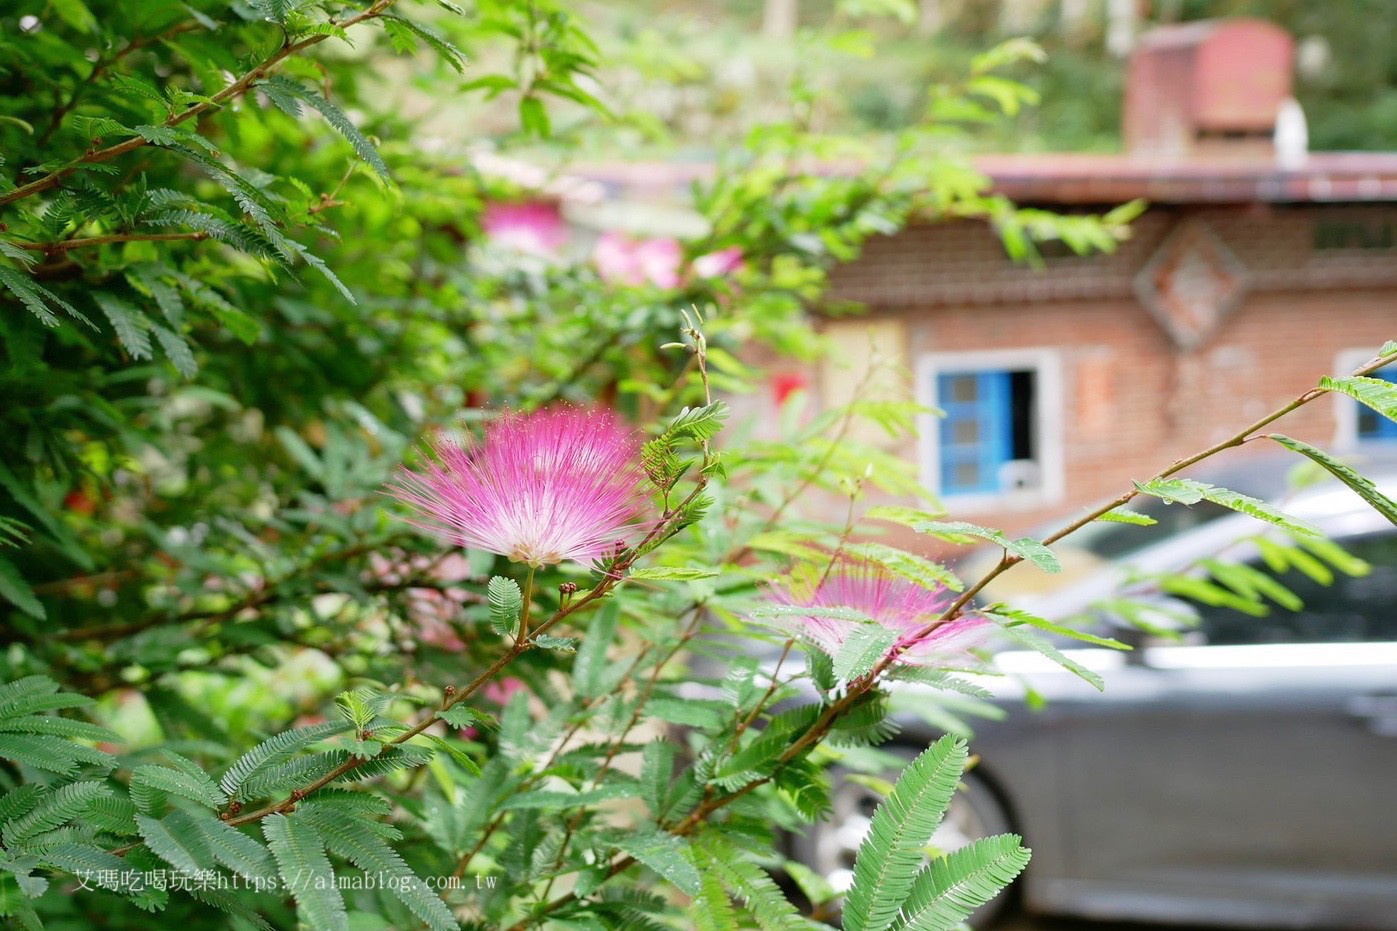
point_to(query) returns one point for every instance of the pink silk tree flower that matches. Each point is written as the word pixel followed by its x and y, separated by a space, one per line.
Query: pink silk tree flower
pixel 896 603
pixel 541 488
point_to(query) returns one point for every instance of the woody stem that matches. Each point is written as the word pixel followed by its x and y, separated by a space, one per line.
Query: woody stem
pixel 528 603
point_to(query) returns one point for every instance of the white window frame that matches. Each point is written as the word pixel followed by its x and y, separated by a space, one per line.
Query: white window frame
pixel 1346 438
pixel 1046 364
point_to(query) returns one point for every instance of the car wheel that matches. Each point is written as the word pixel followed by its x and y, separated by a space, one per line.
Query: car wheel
pixel 829 847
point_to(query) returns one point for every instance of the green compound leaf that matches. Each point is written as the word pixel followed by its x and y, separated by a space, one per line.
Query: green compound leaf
pixel 667 855
pixel 150 782
pixel 274 750
pixel 1016 618
pixel 1011 623
pixel 699 423
pixel 506 605
pixel 177 841
pixel 1188 491
pixel 671 574
pixel 287 94
pixel 951 887
pixel 559 644
pixel 344 834
pixel 955 531
pixel 306 872
pixel 1377 393
pixel 864 647
pixel 891 855
pixel 15 590
pixel 591 675
pixel 53 810
pixel 1127 516
pixel 1361 486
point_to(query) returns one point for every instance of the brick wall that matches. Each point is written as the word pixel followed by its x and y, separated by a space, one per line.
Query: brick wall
pixel 1132 400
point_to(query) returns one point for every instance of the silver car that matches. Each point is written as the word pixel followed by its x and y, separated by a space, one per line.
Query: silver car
pixel 1243 775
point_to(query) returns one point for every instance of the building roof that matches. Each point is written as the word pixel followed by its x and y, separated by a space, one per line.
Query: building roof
pixel 1325 177
pixel 1086 179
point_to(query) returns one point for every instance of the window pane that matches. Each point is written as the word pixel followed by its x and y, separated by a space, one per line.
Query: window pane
pixel 976 438
pixel 963 388
pixel 965 432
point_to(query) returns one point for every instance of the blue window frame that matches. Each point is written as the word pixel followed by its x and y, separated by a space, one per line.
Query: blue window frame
pixel 977 433
pixel 1372 426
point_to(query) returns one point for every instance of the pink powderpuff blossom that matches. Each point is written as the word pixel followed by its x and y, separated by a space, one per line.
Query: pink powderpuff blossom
pixel 892 601
pixel 540 488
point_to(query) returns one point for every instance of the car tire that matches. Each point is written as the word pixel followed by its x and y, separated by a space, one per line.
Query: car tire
pixel 829 846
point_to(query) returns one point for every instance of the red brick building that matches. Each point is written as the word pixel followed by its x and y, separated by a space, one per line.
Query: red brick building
pixel 1254 273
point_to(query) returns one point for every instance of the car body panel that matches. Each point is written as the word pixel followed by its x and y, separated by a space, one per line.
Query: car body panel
pixel 1251 785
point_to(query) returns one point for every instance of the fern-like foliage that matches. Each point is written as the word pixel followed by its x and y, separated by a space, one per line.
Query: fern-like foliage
pixel 889 858
pixel 177 841
pixel 950 888
pixel 273 750
pixel 1361 485
pixel 748 882
pixel 306 872
pixel 713 908
pixel 1189 491
pixel 38 298
pixel 29 736
pixel 506 605
pixel 98 867
pixel 656 772
pixel 53 809
pixel 289 94
pixel 1377 393
pixel 343 834
pixel 699 423
pixel 868 722
pixel 150 784
pixel 404 32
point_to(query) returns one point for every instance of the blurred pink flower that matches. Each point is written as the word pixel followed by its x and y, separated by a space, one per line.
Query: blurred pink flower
pixel 503 690
pixel 431 607
pixel 432 611
pixel 894 602
pixel 540 488
pixel 534 228
pixel 717 264
pixel 623 260
pixel 500 692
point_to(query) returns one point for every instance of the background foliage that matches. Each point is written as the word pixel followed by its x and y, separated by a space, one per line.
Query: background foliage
pixel 1345 80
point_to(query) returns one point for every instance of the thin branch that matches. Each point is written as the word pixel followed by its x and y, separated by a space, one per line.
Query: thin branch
pixel 330 199
pixel 105 65
pixel 239 87
pixel 67 245
pixel 534 778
